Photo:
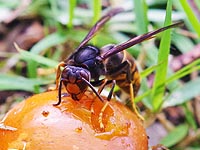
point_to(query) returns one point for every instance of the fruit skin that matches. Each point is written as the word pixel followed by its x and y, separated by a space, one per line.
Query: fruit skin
pixel 71 125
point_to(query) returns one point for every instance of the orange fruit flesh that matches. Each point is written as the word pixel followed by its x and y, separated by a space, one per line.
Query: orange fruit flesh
pixel 36 124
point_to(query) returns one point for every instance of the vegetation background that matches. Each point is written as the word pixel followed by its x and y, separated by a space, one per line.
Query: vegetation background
pixel 48 31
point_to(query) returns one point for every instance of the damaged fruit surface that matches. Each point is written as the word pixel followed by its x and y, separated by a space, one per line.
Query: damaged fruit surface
pixel 36 124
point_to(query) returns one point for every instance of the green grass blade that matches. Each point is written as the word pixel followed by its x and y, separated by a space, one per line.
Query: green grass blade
pixel 197 3
pixel 49 41
pixel 175 135
pixel 191 16
pixel 194 66
pixel 96 10
pixel 184 93
pixel 36 58
pixel 97 15
pixel 31 68
pixel 140 10
pixel 10 82
pixel 178 40
pixel 190 116
pixel 72 5
pixel 149 70
pixel 53 7
pixel 161 72
pixel 185 71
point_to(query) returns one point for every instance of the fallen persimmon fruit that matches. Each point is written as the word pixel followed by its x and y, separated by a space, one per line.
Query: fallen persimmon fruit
pixel 35 124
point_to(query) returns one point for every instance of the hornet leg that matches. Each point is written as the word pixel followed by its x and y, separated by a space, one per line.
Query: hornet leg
pixel 58 73
pixel 59 94
pixel 93 89
pixel 133 103
pixel 106 104
pixel 132 96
